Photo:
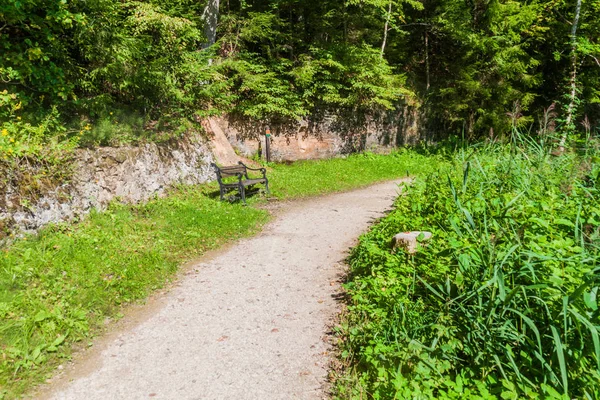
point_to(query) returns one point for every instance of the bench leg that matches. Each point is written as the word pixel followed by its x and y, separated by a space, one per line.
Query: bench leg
pixel 222 193
pixel 242 193
pixel 267 186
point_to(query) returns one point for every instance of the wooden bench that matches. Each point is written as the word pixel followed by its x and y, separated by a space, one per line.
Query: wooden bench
pixel 240 171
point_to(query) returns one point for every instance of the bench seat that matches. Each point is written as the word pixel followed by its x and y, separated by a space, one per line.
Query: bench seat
pixel 246 182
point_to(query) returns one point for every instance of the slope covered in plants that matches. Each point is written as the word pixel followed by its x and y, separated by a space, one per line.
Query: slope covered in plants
pixel 503 302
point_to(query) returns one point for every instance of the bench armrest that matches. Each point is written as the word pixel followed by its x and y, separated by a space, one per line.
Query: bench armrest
pixel 263 170
pixel 257 169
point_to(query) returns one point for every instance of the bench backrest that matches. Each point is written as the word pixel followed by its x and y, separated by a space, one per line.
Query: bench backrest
pixel 228 171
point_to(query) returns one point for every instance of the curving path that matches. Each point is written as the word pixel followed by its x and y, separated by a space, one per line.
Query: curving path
pixel 251 322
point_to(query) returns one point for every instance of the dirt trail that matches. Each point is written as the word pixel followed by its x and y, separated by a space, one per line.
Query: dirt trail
pixel 249 323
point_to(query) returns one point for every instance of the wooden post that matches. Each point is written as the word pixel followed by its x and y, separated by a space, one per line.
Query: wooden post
pixel 268 144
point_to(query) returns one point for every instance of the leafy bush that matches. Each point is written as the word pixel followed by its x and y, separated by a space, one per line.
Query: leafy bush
pixel 354 77
pixel 503 301
pixel 44 140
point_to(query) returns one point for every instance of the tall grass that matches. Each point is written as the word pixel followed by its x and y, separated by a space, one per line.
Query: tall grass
pixel 503 303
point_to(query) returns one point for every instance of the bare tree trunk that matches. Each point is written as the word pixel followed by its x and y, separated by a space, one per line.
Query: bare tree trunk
pixel 427 58
pixel 573 82
pixel 211 18
pixel 386 28
pixel 345 23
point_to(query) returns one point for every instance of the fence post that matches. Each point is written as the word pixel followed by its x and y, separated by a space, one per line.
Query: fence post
pixel 268 144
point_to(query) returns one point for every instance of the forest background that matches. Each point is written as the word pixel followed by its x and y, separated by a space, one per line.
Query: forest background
pixel 98 72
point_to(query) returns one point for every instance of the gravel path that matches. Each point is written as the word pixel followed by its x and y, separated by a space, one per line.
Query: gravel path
pixel 249 323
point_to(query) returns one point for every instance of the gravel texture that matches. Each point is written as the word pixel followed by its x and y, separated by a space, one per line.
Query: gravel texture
pixel 250 322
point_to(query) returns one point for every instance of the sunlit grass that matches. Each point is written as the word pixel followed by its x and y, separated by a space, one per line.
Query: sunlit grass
pixel 309 178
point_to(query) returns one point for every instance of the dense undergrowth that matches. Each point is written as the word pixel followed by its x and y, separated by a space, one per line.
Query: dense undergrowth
pixel 501 303
pixel 58 288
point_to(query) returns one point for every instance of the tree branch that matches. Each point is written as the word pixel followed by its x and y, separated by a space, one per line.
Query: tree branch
pixel 595 59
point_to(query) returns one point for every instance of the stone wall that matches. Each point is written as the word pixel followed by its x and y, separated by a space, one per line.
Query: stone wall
pixel 130 174
pixel 324 136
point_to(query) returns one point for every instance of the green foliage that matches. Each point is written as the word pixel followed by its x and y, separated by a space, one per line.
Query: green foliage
pixel 76 63
pixel 554 48
pixel 501 303
pixel 126 127
pixel 489 62
pixel 352 77
pixel 468 63
pixel 32 40
pixel 134 57
pixel 268 82
pixel 104 56
pixel 45 140
pixel 260 93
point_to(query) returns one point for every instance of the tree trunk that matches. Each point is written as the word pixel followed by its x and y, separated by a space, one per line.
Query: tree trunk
pixel 386 28
pixel 573 81
pixel 211 18
pixel 427 59
pixel 345 14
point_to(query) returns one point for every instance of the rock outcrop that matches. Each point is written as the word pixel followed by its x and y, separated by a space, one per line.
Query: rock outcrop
pixel 325 136
pixel 129 174
pixel 410 241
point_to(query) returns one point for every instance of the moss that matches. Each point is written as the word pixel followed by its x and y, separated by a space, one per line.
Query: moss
pixel 24 181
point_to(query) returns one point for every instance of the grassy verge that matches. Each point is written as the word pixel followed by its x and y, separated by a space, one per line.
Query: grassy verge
pixel 310 178
pixel 502 303
pixel 57 288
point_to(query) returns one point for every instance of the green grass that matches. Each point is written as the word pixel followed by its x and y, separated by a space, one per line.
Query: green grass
pixel 57 288
pixel 501 303
pixel 310 178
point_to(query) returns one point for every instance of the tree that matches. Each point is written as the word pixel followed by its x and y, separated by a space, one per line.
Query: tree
pixel 573 80
pixel 211 19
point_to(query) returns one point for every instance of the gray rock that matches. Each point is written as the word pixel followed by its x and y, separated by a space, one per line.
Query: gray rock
pixel 128 174
pixel 408 240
